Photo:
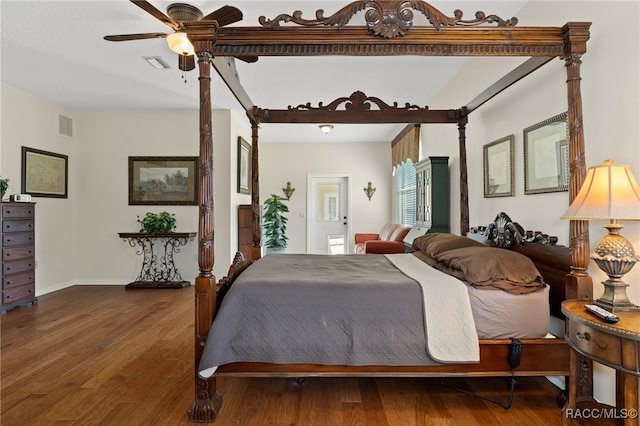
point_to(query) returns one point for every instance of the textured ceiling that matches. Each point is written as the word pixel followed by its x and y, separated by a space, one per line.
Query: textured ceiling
pixel 55 49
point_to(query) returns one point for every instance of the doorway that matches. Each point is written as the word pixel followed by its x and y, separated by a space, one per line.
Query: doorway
pixel 328 212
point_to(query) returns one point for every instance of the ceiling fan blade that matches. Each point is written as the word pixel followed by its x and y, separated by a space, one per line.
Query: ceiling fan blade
pixel 186 63
pixel 149 8
pixel 225 15
pixel 125 37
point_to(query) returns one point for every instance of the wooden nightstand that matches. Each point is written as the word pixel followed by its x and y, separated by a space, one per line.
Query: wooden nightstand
pixel 615 345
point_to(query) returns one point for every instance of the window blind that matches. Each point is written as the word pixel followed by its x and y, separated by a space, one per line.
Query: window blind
pixel 406 193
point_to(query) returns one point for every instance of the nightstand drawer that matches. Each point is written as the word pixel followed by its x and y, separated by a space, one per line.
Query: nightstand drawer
pixel 18 225
pixel 596 344
pixel 18 210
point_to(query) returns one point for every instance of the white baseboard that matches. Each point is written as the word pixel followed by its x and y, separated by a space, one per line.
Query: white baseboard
pixel 62 286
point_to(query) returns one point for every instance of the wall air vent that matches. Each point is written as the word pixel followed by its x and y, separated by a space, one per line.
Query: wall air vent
pixel 65 126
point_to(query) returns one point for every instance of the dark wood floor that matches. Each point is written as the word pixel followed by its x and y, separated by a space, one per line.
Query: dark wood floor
pixel 103 355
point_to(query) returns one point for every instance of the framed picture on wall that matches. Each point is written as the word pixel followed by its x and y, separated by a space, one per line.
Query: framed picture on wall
pixel 163 181
pixel 44 174
pixel 498 168
pixel 244 166
pixel 546 156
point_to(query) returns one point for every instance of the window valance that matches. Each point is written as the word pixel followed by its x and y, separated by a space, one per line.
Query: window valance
pixel 406 145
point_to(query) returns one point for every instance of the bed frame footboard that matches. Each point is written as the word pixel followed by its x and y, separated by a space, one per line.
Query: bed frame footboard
pixel 540 357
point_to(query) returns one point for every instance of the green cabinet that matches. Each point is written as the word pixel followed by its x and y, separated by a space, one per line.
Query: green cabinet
pixel 432 194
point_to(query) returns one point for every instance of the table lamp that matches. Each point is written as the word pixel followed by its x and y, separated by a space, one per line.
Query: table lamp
pixel 610 192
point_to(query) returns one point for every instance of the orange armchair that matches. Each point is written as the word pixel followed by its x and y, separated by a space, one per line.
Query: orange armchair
pixel 388 241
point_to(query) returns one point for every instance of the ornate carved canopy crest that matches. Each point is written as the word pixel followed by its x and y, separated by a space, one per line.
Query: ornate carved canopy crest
pixel 387 18
pixel 358 101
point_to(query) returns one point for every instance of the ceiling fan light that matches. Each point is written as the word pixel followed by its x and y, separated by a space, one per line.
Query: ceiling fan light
pixel 179 43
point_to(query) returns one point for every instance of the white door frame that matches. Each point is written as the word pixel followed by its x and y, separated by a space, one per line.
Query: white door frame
pixel 310 194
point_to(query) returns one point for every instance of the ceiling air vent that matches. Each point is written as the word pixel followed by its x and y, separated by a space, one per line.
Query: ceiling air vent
pixel 65 126
pixel 157 62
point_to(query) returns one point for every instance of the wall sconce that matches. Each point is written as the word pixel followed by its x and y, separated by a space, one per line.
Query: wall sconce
pixel 288 191
pixel 326 128
pixel 610 192
pixel 369 191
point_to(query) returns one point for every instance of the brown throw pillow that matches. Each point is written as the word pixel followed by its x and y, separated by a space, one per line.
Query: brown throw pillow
pixel 493 267
pixel 434 244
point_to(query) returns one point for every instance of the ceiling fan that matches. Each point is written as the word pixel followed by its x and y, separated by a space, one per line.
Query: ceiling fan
pixel 178 17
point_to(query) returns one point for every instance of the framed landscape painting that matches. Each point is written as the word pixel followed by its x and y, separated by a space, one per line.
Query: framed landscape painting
pixel 163 180
pixel 44 174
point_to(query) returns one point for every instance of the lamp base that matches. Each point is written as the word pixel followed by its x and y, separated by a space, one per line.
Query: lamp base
pixel 615 299
pixel 615 256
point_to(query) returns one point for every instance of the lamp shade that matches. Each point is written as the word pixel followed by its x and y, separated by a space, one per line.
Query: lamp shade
pixel 609 191
pixel 179 43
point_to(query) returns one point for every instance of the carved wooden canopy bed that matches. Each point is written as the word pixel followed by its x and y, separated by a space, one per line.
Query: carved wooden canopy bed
pixel 387 30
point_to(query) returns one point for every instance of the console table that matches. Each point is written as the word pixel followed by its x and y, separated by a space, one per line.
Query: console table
pixel 615 345
pixel 158 269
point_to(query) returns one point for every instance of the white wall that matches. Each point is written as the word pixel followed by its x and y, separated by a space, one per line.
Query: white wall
pixel 31 121
pixel 365 162
pixel 76 238
pixel 611 107
pixel 108 139
pixel 115 135
pixel 77 241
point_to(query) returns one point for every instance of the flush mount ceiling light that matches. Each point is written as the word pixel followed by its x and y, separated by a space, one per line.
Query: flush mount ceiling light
pixel 326 128
pixel 157 62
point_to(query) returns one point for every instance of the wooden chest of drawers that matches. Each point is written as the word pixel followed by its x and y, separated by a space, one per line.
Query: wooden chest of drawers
pixel 18 255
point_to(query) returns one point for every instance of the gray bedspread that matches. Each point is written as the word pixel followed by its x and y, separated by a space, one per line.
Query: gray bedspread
pixel 283 309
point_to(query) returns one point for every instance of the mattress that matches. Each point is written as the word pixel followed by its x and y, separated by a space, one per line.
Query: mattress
pixel 499 314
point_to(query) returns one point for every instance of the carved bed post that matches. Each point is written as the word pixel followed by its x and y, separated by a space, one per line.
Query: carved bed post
pixel 464 187
pixel 207 403
pixel 256 230
pixel 579 284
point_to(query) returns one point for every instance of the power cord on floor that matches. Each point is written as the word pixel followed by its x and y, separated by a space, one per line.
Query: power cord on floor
pixel 515 352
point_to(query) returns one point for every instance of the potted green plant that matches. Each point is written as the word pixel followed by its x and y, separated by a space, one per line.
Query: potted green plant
pixel 154 223
pixel 4 184
pixel 275 224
